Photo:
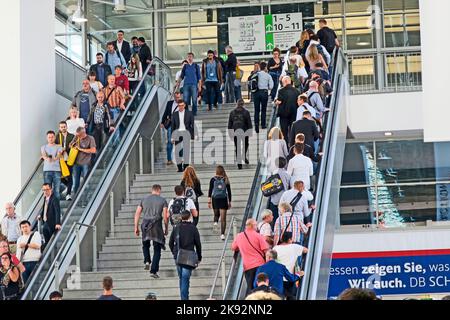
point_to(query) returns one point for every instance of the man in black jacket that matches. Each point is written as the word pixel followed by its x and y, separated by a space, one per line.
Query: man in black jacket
pixel 166 123
pixel 145 55
pixel 306 126
pixel 240 120
pixel 64 138
pixel 185 236
pixel 51 213
pixel 102 70
pixel 182 131
pixel 230 75
pixel 123 46
pixel 287 105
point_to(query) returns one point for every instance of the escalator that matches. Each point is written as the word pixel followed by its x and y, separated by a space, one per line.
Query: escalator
pixel 314 284
pixel 59 252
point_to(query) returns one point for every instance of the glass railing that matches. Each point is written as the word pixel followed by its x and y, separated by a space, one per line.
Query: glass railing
pixel 157 73
pixel 236 286
pixel 314 284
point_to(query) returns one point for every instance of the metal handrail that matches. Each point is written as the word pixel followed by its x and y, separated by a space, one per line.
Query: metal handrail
pixel 221 264
pixel 57 235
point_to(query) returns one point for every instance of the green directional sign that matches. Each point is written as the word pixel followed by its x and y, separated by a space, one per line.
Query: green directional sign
pixel 268 19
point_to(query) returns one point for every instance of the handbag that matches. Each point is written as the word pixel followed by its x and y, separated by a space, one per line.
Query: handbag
pixel 73 153
pixel 185 257
pixel 272 185
pixel 64 168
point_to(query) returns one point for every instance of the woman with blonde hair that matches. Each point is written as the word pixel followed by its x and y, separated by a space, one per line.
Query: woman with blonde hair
pixel 313 57
pixel 274 148
pixel 192 188
pixel 74 121
pixel 303 43
pixel 219 199
pixel 134 70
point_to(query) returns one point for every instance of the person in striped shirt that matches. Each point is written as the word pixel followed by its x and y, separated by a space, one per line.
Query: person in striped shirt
pixel 115 98
pixel 285 210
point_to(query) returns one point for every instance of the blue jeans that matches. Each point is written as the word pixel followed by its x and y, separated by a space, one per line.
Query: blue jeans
pixel 276 78
pixel 190 93
pixel 184 274
pixel 169 147
pixel 29 267
pixel 114 113
pixel 260 99
pixel 79 170
pixel 54 179
pixel 237 92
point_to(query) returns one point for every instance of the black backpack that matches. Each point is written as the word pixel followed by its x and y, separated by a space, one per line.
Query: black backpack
pixel 176 209
pixel 253 82
pixel 219 189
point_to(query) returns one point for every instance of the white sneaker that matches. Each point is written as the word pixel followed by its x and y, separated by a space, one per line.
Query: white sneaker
pixel 215 227
pixel 222 237
pixel 68 197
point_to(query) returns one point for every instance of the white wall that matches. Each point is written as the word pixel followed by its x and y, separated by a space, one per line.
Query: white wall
pixel 420 238
pixel 435 69
pixel 30 92
pixel 385 112
pixel 10 143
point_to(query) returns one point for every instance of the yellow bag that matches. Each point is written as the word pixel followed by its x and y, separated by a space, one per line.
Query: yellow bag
pixel 73 155
pixel 64 168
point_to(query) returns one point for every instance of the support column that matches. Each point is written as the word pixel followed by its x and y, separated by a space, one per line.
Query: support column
pixel 28 88
pixel 435 69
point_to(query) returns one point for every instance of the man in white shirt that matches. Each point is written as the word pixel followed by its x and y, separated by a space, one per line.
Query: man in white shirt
pixel 10 226
pixel 188 204
pixel 28 248
pixel 300 167
pixel 265 226
pixel 302 207
pixel 288 255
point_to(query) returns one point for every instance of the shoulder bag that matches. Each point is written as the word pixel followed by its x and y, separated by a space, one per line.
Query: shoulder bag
pixel 261 253
pixel 185 257
pixel 73 153
pixel 64 169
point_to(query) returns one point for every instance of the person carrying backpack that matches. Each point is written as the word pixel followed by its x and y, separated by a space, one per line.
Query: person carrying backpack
pixel 240 119
pixel 192 188
pixel 219 198
pixel 179 204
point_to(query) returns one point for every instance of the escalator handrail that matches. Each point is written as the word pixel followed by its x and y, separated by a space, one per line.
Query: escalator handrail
pixel 340 60
pixel 75 201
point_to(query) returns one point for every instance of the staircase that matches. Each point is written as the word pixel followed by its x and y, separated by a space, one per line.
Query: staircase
pixel 121 255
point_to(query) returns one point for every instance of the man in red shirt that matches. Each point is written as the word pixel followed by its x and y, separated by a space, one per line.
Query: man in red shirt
pixel 122 80
pixel 4 248
pixel 252 247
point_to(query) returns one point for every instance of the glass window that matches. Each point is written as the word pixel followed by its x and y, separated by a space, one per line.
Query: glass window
pixel 177 34
pixel 177 18
pixel 176 50
pixel 356 165
pixel 359 33
pixel 204 32
pixel 358 6
pixel 201 46
pixel 362 73
pixel 403 70
pixel 205 16
pixel 355 207
pixel 400 5
pixel 333 7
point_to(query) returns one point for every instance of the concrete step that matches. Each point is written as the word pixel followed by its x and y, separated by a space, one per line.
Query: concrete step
pixel 212 262
pixel 206 246
pixel 166 257
pixel 126 238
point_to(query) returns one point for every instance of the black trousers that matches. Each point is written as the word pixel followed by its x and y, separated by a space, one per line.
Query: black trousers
pixel 156 254
pixel 48 232
pixel 250 278
pixel 260 100
pixel 99 136
pixel 285 124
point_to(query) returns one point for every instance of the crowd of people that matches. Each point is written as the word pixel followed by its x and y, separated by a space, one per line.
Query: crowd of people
pixel 299 85
pixel 70 154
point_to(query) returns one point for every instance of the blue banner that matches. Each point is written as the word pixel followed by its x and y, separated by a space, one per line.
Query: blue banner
pixel 391 274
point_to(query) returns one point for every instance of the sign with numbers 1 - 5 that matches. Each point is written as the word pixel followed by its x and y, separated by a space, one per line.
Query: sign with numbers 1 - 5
pixel 283 30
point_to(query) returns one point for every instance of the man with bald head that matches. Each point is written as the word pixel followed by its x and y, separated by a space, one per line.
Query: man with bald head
pixel 287 105
pixel 315 100
pixel 252 247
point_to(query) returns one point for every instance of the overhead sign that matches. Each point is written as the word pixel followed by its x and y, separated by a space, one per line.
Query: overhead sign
pixel 263 33
pixel 392 272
